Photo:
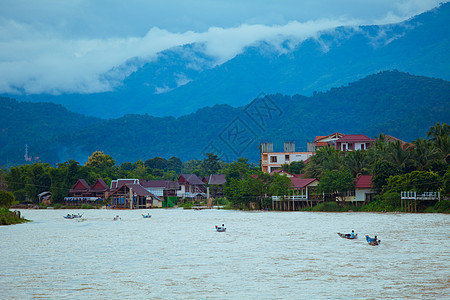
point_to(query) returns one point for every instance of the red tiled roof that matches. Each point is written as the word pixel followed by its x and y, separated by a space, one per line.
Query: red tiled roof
pixel 80 186
pixel 364 182
pixel 319 137
pixel 354 138
pixel 100 186
pixel 301 182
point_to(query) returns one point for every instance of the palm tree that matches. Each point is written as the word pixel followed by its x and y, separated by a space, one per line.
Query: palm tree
pixel 438 131
pixel 423 154
pixel 326 158
pixel 400 155
pixel 357 162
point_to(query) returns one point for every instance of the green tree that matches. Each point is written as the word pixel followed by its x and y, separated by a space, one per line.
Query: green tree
pixel 280 185
pixel 210 164
pixel 356 162
pixel 6 198
pixel 336 182
pixel 174 164
pixel 159 163
pixel 381 171
pixel 424 153
pixel 325 159
pixel 419 181
pixel 295 167
pixel 99 161
pixel 439 130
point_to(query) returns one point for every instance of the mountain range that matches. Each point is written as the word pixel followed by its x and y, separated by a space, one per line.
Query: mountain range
pixel 184 79
pixel 389 102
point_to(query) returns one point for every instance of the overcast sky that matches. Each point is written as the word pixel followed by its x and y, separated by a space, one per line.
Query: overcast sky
pixel 57 46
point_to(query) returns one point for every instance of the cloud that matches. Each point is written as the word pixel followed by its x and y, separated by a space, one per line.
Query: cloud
pixel 84 46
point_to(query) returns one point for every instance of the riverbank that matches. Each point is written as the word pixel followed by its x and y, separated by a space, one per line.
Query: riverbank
pixel 8 217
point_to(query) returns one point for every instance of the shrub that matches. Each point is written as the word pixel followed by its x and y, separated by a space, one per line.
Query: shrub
pixel 187 205
pixel 327 206
pixel 6 198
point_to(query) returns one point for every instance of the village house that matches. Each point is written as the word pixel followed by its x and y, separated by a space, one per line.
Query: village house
pixel 363 191
pixel 352 142
pixel 82 193
pixel 342 142
pixel 191 186
pixel 133 196
pixel 303 194
pixel 323 141
pixel 215 184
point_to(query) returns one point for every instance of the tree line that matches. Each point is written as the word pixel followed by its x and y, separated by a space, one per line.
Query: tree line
pixel 422 165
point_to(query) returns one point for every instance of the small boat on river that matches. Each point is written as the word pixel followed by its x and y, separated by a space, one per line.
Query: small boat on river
pixel 348 235
pixel 372 241
pixel 116 218
pixel 220 228
pixel 147 216
pixel 72 216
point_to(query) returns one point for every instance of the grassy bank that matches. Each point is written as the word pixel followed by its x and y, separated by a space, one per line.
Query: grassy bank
pixel 8 217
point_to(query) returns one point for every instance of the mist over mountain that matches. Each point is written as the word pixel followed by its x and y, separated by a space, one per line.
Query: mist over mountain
pixel 183 79
pixel 389 102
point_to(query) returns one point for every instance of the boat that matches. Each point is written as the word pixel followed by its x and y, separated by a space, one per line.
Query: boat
pixel 220 228
pixel 147 216
pixel 372 241
pixel 116 218
pixel 348 235
pixel 72 216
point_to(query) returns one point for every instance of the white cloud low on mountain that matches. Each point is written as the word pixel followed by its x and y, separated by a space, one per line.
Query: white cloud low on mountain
pixel 66 46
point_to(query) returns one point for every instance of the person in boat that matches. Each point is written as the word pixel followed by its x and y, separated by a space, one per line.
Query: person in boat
pixel 352 235
pixel 375 240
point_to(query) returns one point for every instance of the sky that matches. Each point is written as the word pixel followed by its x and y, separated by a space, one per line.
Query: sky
pixel 66 46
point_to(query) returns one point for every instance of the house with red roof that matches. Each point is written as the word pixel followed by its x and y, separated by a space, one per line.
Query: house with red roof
pixel 363 191
pixel 303 194
pixel 352 142
pixel 82 193
pixel 323 140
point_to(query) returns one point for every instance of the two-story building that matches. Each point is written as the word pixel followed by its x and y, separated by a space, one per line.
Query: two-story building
pixel 191 186
pixel 272 161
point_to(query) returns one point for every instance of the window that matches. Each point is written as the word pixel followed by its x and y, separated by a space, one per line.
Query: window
pixel 273 159
pixel 362 146
pixel 286 157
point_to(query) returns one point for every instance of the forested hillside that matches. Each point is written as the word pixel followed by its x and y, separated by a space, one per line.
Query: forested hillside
pixel 183 79
pixel 392 102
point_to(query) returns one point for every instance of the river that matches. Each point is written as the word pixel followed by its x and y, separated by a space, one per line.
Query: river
pixel 177 254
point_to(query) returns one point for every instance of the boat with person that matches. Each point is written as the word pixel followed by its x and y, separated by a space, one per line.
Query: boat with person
pixel 72 216
pixel 349 236
pixel 147 216
pixel 220 228
pixel 117 218
pixel 373 241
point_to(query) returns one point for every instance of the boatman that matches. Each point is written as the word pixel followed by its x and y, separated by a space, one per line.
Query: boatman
pixel 352 235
